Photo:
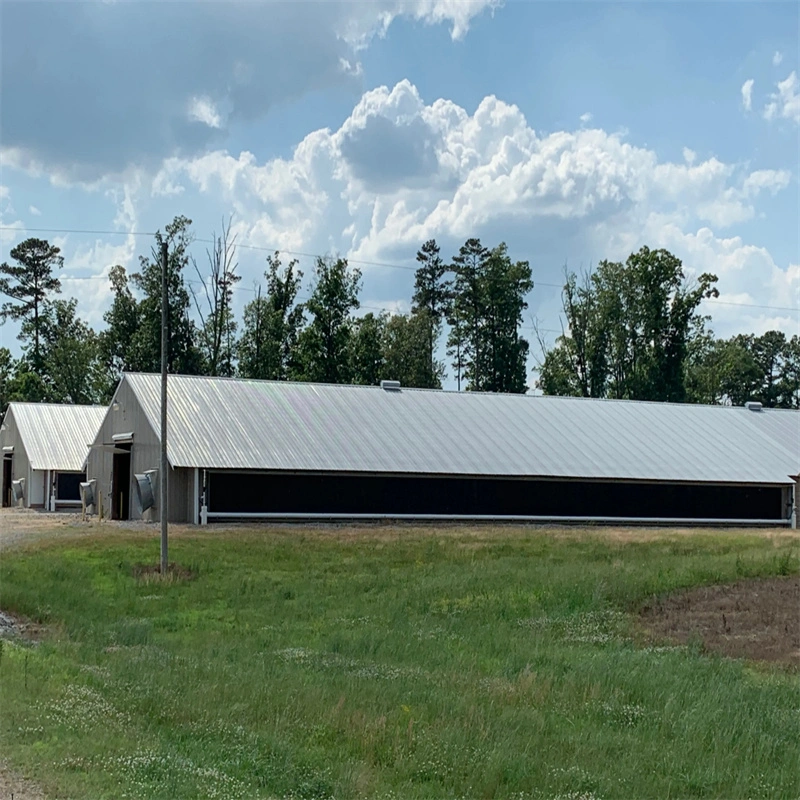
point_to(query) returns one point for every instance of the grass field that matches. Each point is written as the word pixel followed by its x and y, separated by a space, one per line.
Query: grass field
pixel 388 663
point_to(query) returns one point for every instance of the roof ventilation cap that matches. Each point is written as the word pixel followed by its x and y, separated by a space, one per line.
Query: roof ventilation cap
pixel 390 386
pixel 753 405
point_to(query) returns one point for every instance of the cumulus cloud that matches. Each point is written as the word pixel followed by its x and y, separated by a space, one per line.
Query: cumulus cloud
pixel 243 57
pixel 747 94
pixel 777 58
pixel 400 170
pixel 785 103
pixel 586 118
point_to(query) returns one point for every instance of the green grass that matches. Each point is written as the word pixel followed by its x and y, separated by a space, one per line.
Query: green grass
pixel 389 664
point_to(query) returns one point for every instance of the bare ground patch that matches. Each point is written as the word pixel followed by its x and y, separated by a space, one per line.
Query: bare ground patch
pixel 757 619
pixel 15 787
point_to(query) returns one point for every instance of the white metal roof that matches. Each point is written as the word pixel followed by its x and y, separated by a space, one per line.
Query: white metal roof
pixel 219 423
pixel 57 436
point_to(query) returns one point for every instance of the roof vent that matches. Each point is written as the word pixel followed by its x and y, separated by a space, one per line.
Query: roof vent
pixel 753 405
pixel 390 386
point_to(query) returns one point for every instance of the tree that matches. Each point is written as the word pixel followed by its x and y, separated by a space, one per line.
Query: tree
pixel 488 298
pixel 503 352
pixel 432 298
pixel 629 330
pixel 466 311
pixel 406 355
pixel 7 370
pixel 183 356
pixel 721 371
pixel 116 342
pixel 789 384
pixel 29 282
pixel 579 366
pixel 324 345
pixel 218 326
pixel 267 348
pixel 745 367
pixel 367 349
pixel 74 372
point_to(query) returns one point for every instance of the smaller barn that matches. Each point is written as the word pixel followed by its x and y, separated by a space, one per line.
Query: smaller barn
pixel 44 449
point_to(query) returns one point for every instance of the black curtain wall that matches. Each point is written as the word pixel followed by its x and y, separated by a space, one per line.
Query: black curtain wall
pixel 276 493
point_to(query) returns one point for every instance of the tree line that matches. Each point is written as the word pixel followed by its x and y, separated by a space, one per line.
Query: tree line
pixel 632 330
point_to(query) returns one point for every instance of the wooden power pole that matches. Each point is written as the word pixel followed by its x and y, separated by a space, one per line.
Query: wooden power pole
pixel 164 465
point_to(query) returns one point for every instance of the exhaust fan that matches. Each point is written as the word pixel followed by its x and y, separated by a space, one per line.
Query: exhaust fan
pixel 145 488
pixel 87 490
pixel 18 489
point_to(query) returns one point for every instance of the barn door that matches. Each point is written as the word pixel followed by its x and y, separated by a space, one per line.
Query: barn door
pixel 121 486
pixel 7 476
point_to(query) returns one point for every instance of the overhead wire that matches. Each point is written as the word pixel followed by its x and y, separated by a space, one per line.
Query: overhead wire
pixel 261 248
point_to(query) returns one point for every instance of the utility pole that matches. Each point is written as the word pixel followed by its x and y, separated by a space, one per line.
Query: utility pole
pixel 164 466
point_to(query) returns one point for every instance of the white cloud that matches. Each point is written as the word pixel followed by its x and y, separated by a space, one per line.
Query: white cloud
pixel 202 109
pixel 785 103
pixel 771 180
pixel 227 54
pixel 747 94
pixel 11 231
pixel 777 58
pixel 586 118
pixel 400 170
pixel 35 211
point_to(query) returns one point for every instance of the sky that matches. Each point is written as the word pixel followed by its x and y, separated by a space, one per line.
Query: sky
pixel 574 132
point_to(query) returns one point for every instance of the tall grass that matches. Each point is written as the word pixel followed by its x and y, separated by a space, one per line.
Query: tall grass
pixel 395 664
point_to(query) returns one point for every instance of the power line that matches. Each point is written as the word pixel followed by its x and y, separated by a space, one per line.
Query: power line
pixel 320 255
pixel 236 244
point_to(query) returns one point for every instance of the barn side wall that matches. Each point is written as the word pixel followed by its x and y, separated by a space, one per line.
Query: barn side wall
pixel 145 455
pixel 20 464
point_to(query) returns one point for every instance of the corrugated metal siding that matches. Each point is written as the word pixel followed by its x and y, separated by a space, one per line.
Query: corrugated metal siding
pixel 219 423
pixel 145 455
pixel 57 436
pixel 20 466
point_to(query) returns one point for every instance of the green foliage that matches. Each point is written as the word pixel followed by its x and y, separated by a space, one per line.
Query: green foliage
pixel 144 353
pixel 432 298
pixel 418 663
pixel 122 323
pixel 73 369
pixel 367 349
pixel 394 347
pixel 323 347
pixel 466 312
pixel 29 282
pixel 630 330
pixel 6 377
pixel 267 348
pixel 488 298
pixel 406 351
pixel 745 367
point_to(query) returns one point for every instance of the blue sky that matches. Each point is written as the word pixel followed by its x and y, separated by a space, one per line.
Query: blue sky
pixel 572 131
